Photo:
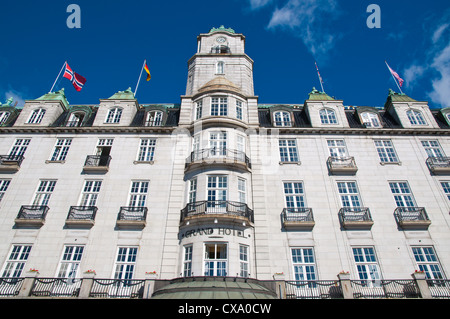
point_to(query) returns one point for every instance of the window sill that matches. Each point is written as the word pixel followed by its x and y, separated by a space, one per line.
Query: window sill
pixel 50 161
pixel 391 163
pixel 283 163
pixel 144 162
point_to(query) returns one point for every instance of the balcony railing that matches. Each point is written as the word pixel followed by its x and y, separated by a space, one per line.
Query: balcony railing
pixel 298 218
pixel 10 163
pixel 412 217
pixel 373 289
pixel 219 208
pixel 81 215
pixel 56 287
pixel 10 286
pixel 32 215
pixel 218 156
pixel 314 289
pixel 117 288
pixel 355 217
pixel 342 165
pixel 130 216
pixel 439 165
pixel 97 163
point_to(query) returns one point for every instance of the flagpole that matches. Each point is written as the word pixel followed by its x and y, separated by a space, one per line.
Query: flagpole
pixel 140 74
pixel 393 77
pixel 65 62
pixel 320 78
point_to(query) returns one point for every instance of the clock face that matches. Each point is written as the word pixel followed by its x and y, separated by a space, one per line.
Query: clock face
pixel 220 39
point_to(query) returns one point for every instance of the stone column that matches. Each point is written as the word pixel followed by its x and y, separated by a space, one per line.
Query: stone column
pixel 28 283
pixel 149 285
pixel 86 284
pixel 421 282
pixel 346 285
pixel 280 285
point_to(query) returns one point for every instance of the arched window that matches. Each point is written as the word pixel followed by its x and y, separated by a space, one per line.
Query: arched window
pixel 328 116
pixel 75 119
pixel 220 67
pixel 282 118
pixel 4 117
pixel 370 119
pixel 416 117
pixel 154 118
pixel 114 115
pixel 36 116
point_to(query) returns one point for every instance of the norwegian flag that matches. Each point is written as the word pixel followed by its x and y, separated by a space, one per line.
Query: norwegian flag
pixel 76 79
pixel 395 74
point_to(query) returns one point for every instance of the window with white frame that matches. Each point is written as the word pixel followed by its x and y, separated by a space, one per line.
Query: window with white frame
pixel 44 192
pixel 218 143
pixel 446 188
pixel 154 118
pixel 192 196
pixel 242 190
pixel 75 119
pixel 114 115
pixel 138 193
pixel 427 261
pixel 370 119
pixel 304 264
pixel 146 150
pixel 282 118
pixel 4 183
pixel 61 149
pixel 36 116
pixel 386 151
pixel 187 261
pixel 90 192
pixel 416 117
pixel 238 110
pixel 240 143
pixel 198 109
pixel 288 150
pixel 220 67
pixel 337 148
pixel 367 265
pixel 19 147
pixel 15 263
pixel 217 190
pixel 4 117
pixel 125 262
pixel 70 261
pixel 216 259
pixel 328 116
pixel 432 148
pixel 402 194
pixel 294 196
pixel 219 106
pixel 349 194
pixel 244 261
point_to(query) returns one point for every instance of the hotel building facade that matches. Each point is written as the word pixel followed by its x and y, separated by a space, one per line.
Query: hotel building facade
pixel 271 200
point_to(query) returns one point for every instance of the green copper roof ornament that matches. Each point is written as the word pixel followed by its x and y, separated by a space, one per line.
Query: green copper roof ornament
pixel 221 28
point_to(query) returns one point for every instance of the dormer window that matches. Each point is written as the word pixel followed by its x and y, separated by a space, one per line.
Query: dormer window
pixel 370 119
pixel 36 116
pixel 75 119
pixel 154 118
pixel 327 116
pixel 114 115
pixel 220 49
pixel 282 118
pixel 4 117
pixel 416 117
pixel 220 67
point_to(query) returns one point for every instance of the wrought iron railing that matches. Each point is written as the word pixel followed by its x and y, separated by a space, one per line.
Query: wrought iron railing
pixel 223 207
pixel 438 162
pixel 341 162
pixel 313 289
pixel 407 214
pixel 132 213
pixel 439 288
pixel 117 288
pixel 211 154
pixel 10 287
pixel 372 289
pixel 56 287
pixel 32 212
pixel 82 213
pixel 300 214
pixel 97 161
pixel 11 159
pixel 354 214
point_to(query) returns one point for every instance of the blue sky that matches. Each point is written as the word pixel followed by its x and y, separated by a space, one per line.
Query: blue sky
pixel 283 37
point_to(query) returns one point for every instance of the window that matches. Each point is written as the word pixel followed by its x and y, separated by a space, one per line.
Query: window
pixel 4 183
pixel 220 49
pixel 427 261
pixel 238 110
pixel 36 116
pixel 348 192
pixel 19 147
pixel 216 259
pixel 220 67
pixel 242 190
pixel 367 265
pixel 386 151
pixel 282 118
pixel 198 109
pixel 16 261
pixel 243 261
pixel 138 193
pixel 294 196
pixel 154 118
pixel 288 151
pixel 219 106
pixel 304 264
pixel 193 190
pixel 146 150
pixel 187 261
pixel 114 115
pixel 218 143
pixel 44 192
pixel 217 191
pixel 240 143
pixel 125 262
pixel 90 193
pixel 328 116
pixel 75 119
pixel 103 150
pixel 416 117
pixel 446 188
pixel 402 194
pixel 433 148
pixel 337 148
pixel 61 149
pixel 4 117
pixel 70 261
pixel 370 119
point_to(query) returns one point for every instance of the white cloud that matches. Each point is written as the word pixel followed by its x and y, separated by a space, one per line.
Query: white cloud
pixel 441 85
pixel 413 73
pixel 17 97
pixel 256 4
pixel 437 34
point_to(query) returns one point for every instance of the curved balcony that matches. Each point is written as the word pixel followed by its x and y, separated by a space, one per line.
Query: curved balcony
pixel 219 211
pixel 217 156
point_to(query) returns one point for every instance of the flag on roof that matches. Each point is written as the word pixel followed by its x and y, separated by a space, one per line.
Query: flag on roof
pixel 395 74
pixel 76 79
pixel 148 71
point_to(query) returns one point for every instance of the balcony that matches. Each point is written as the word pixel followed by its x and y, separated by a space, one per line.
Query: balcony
pixel 298 218
pixel 342 165
pixel 217 156
pixel 412 218
pixel 96 164
pixel 355 218
pixel 439 165
pixel 10 163
pixel 81 216
pixel 130 217
pixel 31 216
pixel 223 211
